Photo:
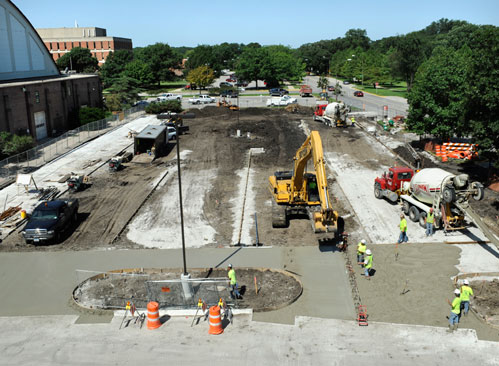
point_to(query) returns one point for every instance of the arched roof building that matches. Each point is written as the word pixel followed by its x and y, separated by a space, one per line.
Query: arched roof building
pixel 35 98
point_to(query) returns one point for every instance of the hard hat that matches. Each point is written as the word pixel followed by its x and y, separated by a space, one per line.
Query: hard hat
pixel 363 241
pixel 229 265
pixel 466 282
pixel 368 251
pixel 457 292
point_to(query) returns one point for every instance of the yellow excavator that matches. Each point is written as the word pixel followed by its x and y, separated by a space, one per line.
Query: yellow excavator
pixel 299 192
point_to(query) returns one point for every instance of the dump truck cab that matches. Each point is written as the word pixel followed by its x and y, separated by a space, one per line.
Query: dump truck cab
pixel 391 183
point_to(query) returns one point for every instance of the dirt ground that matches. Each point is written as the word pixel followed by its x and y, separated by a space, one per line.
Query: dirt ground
pixel 273 290
pixel 486 299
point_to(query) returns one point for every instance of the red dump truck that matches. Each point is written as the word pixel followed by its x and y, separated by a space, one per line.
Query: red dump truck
pixel 305 91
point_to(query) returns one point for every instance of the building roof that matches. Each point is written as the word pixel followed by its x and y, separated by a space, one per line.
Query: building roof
pixel 43 80
pixel 151 132
pixel 22 52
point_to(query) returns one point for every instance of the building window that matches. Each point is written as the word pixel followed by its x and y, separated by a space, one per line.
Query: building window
pixel 37 97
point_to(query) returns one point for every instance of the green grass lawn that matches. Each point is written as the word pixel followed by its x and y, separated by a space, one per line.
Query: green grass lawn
pixel 398 89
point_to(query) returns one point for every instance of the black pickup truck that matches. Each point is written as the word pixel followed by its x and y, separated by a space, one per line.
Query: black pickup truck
pixel 49 220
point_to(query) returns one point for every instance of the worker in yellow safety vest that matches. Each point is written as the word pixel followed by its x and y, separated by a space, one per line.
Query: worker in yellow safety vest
pixel 403 230
pixel 455 310
pixel 430 220
pixel 361 249
pixel 368 263
pixel 466 292
pixel 234 293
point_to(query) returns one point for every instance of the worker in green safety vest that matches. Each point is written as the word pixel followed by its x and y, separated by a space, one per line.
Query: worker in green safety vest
pixel 368 263
pixel 403 230
pixel 361 249
pixel 234 293
pixel 430 220
pixel 466 292
pixel 455 310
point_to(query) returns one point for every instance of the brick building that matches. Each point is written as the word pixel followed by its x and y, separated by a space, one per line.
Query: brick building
pixel 34 97
pixel 61 40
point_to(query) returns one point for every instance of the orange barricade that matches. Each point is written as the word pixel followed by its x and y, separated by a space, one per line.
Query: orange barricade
pixel 153 315
pixel 215 321
pixel 438 151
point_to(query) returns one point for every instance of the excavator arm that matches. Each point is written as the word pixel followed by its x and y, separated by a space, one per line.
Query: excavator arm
pixel 312 148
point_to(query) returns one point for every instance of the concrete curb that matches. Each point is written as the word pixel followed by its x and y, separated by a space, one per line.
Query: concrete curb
pixel 146 271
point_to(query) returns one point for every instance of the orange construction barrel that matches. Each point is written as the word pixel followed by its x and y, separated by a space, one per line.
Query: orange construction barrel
pixel 215 321
pixel 153 315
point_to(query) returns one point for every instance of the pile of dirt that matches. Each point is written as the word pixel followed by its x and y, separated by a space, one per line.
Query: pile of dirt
pixel 486 300
pixel 261 289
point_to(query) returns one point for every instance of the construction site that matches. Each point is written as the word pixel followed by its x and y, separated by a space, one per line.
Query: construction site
pixel 301 266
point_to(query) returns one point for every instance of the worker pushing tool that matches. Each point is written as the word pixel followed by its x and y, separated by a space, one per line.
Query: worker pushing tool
pixel 234 293
pixel 368 263
pixel 361 249
pixel 455 311
pixel 466 292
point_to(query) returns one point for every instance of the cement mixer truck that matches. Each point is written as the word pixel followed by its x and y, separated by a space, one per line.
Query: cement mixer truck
pixel 332 114
pixel 448 194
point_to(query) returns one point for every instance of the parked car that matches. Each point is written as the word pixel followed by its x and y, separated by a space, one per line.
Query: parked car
pixel 284 100
pixel 358 93
pixel 141 103
pixel 172 133
pixel 330 88
pixel 231 79
pixel 278 92
pixel 226 84
pixel 242 83
pixel 201 99
pixel 49 220
pixel 229 93
pixel 169 96
pixel 345 82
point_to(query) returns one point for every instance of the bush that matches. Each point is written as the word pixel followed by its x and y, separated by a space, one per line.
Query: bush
pixel 168 106
pixel 16 144
pixel 89 114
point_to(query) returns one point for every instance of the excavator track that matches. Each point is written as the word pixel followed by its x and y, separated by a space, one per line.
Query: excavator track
pixel 279 217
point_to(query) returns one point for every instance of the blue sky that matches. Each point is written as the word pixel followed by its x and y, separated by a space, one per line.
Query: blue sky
pixel 290 22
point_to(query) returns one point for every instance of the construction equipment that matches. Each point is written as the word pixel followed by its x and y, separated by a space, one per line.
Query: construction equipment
pixel 298 192
pixel 446 193
pixel 77 182
pixel 332 114
pixel 223 103
pixel 115 163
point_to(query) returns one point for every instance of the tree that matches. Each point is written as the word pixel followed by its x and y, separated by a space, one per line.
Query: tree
pixel 139 71
pixel 483 92
pixel 438 98
pixel 90 114
pixel 322 83
pixel 251 63
pixel 125 91
pixel 161 59
pixel 114 66
pixel 78 59
pixel 357 38
pixel 201 76
pixel 337 90
pixel 409 55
